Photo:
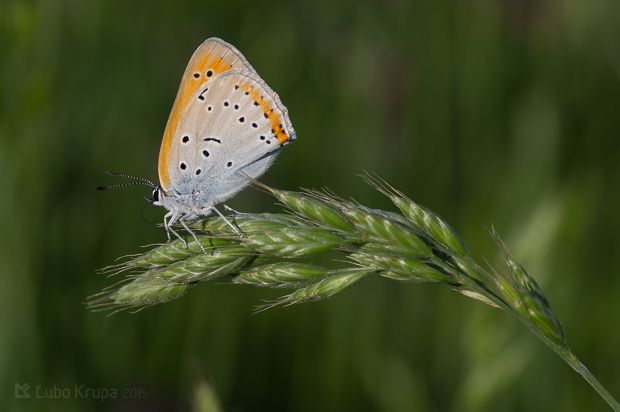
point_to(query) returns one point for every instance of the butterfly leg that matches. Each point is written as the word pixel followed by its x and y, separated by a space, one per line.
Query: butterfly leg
pixel 227 221
pixel 168 225
pixel 190 231
pixel 226 207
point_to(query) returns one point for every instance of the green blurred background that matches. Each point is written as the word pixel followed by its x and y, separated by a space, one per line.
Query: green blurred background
pixel 487 112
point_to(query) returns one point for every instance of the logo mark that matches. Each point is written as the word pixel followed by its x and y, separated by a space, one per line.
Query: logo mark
pixel 21 391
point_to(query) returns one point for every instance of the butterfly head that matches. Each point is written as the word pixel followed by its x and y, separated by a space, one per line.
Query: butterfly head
pixel 172 201
pixel 156 196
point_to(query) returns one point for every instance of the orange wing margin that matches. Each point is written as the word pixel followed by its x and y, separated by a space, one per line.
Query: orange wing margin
pixel 213 57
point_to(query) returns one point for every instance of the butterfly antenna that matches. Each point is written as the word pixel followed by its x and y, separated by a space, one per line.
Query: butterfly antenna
pixel 141 182
pixel 131 177
pixel 121 185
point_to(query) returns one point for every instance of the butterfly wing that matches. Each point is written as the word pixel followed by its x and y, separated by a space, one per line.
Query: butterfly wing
pixel 213 57
pixel 230 130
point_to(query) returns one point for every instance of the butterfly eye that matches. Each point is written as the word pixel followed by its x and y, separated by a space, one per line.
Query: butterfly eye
pixel 156 194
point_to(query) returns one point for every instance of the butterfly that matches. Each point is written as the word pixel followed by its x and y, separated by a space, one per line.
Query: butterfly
pixel 225 129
